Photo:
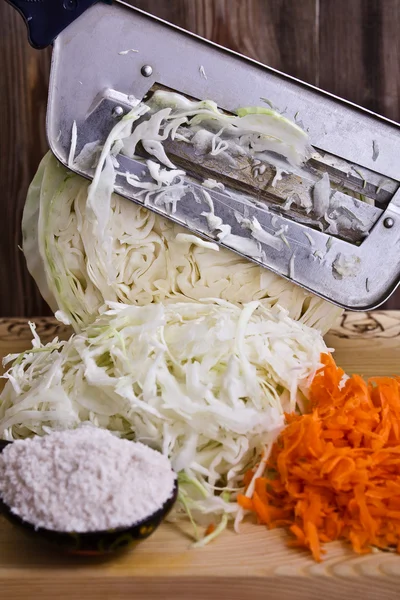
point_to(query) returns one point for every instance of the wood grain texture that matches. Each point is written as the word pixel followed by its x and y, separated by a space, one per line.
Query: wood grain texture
pixel 280 33
pixel 23 90
pixel 257 564
pixel 359 53
pixel 350 48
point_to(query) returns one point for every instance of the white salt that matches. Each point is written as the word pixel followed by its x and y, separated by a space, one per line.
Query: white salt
pixel 83 480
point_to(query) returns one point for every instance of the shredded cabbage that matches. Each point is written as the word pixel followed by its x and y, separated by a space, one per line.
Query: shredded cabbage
pixel 321 193
pixel 206 383
pixel 253 130
pixel 346 265
pixel 67 257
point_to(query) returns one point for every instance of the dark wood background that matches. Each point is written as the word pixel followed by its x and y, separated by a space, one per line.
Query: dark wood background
pixel 348 47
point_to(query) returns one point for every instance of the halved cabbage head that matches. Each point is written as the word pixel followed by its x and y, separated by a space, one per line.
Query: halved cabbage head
pixel 141 258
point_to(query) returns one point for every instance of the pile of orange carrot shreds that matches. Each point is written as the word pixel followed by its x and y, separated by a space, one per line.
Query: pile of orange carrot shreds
pixel 335 473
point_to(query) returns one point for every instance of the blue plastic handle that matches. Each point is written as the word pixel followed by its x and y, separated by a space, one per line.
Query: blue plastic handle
pixel 45 19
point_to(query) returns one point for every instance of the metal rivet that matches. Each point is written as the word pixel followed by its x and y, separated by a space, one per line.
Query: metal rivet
pixel 388 222
pixel 146 70
pixel 117 111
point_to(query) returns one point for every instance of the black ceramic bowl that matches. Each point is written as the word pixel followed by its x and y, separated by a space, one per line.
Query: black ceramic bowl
pixel 94 543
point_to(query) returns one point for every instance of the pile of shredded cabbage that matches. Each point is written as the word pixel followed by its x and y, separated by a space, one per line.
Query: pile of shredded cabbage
pixel 206 383
pixel 153 358
pixel 152 259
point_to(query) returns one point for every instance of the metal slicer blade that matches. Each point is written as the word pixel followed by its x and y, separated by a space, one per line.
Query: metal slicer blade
pixel 353 262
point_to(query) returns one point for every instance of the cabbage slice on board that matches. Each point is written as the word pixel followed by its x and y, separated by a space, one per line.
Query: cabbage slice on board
pixel 205 383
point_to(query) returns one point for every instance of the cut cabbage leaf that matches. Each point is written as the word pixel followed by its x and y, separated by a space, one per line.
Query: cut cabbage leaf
pixel 32 229
pixel 272 124
pixel 253 129
pixel 205 383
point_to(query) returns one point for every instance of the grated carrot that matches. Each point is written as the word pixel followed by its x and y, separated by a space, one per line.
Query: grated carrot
pixel 245 502
pixel 210 529
pixel 337 469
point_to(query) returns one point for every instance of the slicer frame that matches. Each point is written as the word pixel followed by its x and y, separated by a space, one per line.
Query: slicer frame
pixel 92 75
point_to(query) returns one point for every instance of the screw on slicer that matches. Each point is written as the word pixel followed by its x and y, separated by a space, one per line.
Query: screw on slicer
pixel 146 70
pixel 388 222
pixel 117 111
pixel 70 4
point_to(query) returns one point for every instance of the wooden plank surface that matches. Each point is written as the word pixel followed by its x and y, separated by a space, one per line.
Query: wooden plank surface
pixel 256 564
pixel 349 48
pixel 359 52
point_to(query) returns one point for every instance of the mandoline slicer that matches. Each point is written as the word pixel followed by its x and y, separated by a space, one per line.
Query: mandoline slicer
pixel 353 260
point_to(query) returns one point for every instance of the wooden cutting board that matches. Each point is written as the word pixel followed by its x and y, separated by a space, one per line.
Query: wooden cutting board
pixel 254 565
